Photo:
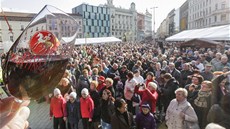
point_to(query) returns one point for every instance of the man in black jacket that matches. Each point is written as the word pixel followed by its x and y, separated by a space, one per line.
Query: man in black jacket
pixel 168 91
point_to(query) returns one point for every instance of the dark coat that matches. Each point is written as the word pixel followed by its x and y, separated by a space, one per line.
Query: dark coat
pixel 107 110
pixel 118 120
pixel 192 95
pixel 82 83
pixel 184 77
pixel 217 115
pixel 176 74
pixel 73 111
pixel 145 121
pixel 217 93
pixel 168 92
pixel 112 73
pixel 96 100
pixel 110 88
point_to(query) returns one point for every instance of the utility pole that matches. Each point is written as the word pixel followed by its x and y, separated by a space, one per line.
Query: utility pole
pixel 153 15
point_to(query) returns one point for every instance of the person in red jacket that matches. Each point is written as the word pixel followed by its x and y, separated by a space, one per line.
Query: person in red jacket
pixel 87 108
pixel 58 110
pixel 148 94
pixel 101 81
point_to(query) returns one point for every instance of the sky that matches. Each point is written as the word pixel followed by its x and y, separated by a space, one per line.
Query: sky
pixel 34 6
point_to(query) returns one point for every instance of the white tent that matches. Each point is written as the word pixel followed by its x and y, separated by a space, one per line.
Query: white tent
pixel 83 41
pixel 218 33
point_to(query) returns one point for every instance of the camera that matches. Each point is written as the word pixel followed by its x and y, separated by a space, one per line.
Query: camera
pixel 141 84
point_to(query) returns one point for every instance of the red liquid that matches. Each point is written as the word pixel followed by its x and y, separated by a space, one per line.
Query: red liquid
pixel 34 78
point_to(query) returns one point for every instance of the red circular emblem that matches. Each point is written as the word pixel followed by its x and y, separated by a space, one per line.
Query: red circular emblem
pixel 43 42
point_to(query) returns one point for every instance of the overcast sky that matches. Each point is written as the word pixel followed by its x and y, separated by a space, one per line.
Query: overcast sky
pixel 164 6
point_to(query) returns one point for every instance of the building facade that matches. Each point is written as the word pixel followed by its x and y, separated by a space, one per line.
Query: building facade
pixel 148 24
pixel 96 20
pixel 162 31
pixel 60 26
pixel 184 16
pixel 171 22
pixel 208 13
pixel 123 21
pixel 140 27
pixel 176 21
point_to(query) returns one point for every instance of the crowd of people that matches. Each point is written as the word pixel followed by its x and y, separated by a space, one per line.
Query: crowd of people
pixel 132 85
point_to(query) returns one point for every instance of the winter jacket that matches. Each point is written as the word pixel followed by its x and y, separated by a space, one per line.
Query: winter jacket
pixel 107 110
pixel 145 121
pixel 110 88
pixel 168 91
pixel 148 96
pixel 83 82
pixel 118 120
pixel 73 111
pixel 96 100
pixel 173 118
pixel 129 88
pixel 58 107
pixel 87 107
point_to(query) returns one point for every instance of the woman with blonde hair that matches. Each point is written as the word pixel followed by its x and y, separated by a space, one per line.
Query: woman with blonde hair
pixel 109 86
pixel 202 103
pixel 96 99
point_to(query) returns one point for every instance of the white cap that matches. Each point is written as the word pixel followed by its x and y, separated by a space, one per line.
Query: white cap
pixel 73 94
pixel 85 91
pixel 56 92
pixel 153 85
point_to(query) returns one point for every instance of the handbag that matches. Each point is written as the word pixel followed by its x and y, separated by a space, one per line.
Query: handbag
pixel 189 124
pixel 135 98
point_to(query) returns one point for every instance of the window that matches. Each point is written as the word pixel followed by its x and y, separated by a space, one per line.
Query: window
pixel 223 5
pixel 11 37
pixel 22 27
pixel 216 7
pixel 0 38
pixel 223 17
pixel 215 18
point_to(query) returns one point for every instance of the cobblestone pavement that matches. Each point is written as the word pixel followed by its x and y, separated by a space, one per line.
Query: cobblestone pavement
pixel 39 116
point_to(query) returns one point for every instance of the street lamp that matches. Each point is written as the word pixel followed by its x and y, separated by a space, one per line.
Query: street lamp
pixel 153 8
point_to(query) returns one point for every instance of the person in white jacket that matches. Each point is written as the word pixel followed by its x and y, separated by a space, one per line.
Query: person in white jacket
pixel 129 91
pixel 179 110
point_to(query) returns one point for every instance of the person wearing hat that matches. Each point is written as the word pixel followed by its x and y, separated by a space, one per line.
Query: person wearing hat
pixel 207 73
pixel 73 112
pixel 86 108
pixel 145 119
pixel 148 94
pixel 226 69
pixel 58 110
pixel 101 83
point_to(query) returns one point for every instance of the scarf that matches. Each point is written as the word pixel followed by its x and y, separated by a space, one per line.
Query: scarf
pixel 201 100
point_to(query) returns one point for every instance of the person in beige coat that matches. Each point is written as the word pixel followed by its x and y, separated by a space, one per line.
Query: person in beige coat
pixel 179 110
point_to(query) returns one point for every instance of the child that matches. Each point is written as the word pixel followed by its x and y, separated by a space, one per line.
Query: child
pixel 87 108
pixel 145 119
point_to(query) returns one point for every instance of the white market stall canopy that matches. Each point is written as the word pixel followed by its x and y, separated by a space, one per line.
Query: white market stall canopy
pixel 83 41
pixel 218 33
